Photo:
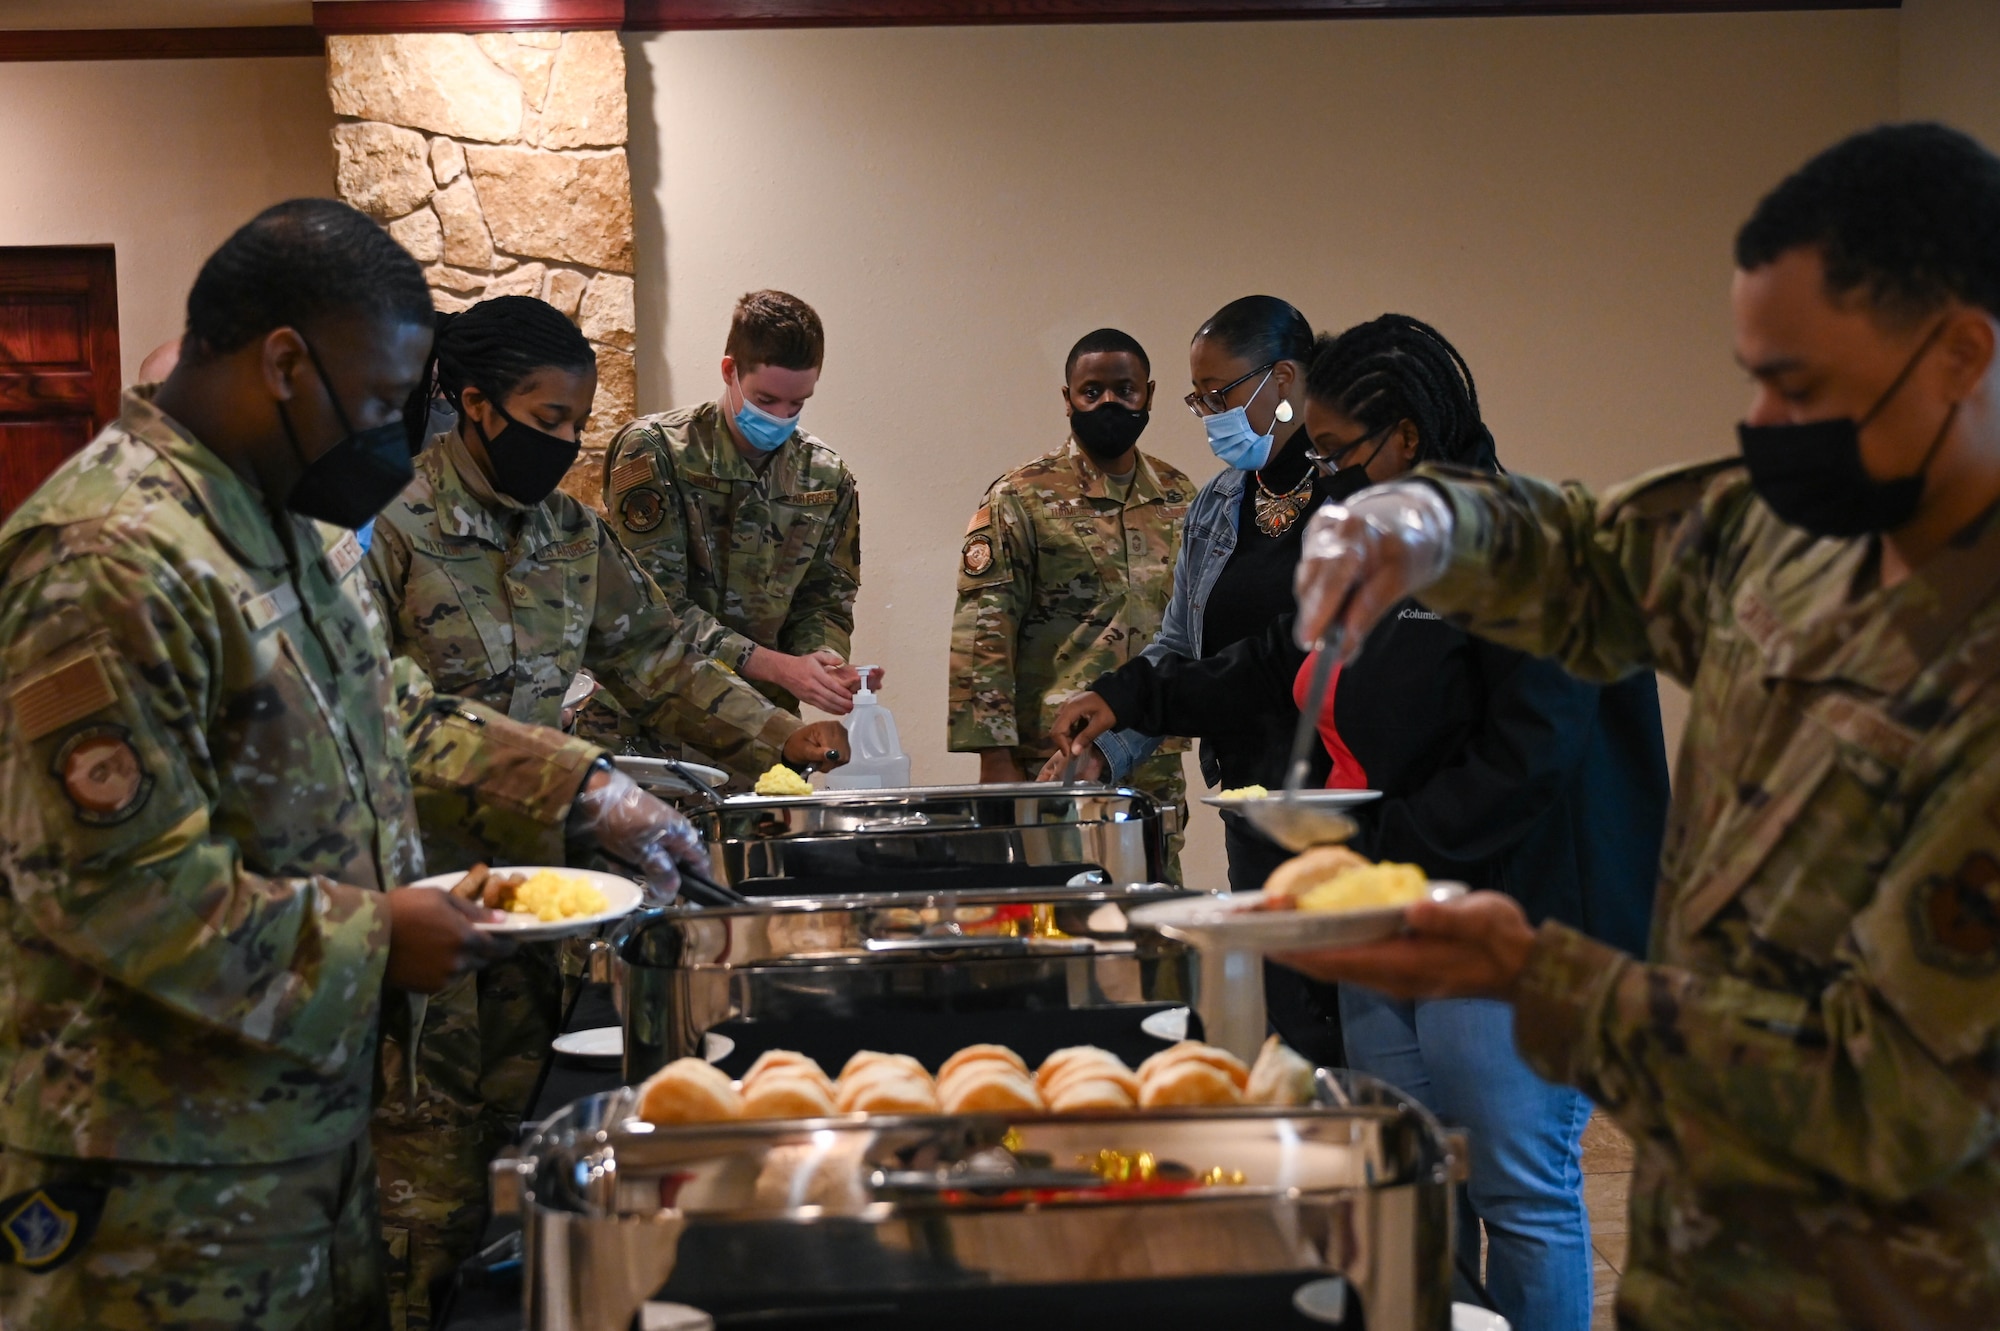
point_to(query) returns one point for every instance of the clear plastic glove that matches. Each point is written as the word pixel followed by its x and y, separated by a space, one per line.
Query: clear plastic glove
pixel 632 826
pixel 1360 558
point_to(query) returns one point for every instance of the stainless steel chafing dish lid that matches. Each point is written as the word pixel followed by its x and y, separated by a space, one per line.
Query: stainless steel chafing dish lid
pixel 922 809
pixel 595 1158
pixel 887 927
pixel 958 838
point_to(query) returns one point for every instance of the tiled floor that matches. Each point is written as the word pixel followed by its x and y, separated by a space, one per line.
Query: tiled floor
pixel 1607 1173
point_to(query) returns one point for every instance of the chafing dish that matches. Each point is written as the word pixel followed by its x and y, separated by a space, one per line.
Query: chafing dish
pixel 913 972
pixel 934 838
pixel 1333 1214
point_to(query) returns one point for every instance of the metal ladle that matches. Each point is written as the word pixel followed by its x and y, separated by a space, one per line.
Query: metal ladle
pixel 1286 819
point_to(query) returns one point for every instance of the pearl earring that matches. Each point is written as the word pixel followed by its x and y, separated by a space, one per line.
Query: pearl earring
pixel 1284 411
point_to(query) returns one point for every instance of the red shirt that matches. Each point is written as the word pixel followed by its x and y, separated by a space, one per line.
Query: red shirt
pixel 1347 774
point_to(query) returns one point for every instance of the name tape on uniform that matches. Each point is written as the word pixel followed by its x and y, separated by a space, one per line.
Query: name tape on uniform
pixel 266 610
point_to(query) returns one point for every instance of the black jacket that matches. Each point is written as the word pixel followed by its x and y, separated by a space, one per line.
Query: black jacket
pixel 1497 769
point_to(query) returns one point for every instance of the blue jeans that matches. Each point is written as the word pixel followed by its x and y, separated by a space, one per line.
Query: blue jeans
pixel 1456 1057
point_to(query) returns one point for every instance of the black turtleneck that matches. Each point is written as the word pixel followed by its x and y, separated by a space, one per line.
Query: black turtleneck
pixel 1255 586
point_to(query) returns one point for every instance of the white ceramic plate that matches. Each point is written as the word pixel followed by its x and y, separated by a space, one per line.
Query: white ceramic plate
pixel 643 770
pixel 621 897
pixel 598 1042
pixel 1227 923
pixel 1316 799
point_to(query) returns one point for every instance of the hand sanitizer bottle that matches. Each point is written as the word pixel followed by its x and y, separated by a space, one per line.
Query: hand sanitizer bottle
pixel 878 760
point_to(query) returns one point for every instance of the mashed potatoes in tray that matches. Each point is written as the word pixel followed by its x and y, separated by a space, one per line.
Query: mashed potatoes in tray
pixel 551 896
pixel 1243 793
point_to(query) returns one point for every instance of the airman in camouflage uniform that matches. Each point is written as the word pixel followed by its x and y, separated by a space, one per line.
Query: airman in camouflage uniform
pixel 1063 576
pixel 505 605
pixel 1809 1060
pixel 747 556
pixel 1808 1070
pixel 208 780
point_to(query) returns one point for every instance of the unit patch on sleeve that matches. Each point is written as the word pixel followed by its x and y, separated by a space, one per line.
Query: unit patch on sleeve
pixel 101 775
pixel 642 509
pixel 978 557
pixel 47 1226
pixel 1956 920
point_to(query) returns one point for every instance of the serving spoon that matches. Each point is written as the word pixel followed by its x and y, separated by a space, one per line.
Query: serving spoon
pixel 1294 823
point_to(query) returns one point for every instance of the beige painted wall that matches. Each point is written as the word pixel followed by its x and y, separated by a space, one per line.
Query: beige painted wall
pixel 1558 195
pixel 161 158
pixel 1951 64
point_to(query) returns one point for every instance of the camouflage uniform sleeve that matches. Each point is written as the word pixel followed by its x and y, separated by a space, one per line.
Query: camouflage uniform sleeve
pixel 643 507
pixel 822 610
pixel 638 653
pixel 387 567
pixel 490 786
pixel 1607 588
pixel 106 813
pixel 1885 1079
pixel 995 586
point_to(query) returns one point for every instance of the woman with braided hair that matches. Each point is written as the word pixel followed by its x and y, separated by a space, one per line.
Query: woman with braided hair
pixel 1496 769
pixel 502 588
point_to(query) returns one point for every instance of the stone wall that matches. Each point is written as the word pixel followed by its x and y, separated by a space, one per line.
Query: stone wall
pixel 498 160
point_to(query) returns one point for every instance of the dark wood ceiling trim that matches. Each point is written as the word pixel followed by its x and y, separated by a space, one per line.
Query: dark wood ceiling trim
pixel 658 15
pixel 155 43
pixel 363 16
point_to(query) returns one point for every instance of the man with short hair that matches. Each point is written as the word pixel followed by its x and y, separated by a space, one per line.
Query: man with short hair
pixel 1064 575
pixel 1809 1063
pixel 210 783
pixel 750 525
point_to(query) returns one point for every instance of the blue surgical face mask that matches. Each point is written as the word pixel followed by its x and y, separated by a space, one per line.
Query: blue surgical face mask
pixel 763 431
pixel 1231 438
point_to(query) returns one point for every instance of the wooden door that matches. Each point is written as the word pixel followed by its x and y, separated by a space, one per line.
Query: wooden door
pixel 59 375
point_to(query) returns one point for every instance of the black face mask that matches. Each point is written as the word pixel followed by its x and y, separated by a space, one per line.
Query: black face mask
pixel 528 464
pixel 1341 481
pixel 1811 475
pixel 1108 429
pixel 355 479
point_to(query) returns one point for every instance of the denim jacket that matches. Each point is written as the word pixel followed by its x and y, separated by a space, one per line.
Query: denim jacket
pixel 1208 538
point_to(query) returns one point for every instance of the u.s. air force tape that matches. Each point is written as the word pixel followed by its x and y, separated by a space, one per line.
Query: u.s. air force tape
pixel 46 1226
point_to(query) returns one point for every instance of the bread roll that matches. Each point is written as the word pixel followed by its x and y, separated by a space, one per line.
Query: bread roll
pixel 786 1094
pixel 689 1090
pixel 1279 1076
pixel 1107 1068
pixel 1304 872
pixel 1062 1060
pixel 894 1094
pixel 849 1094
pixel 1087 1094
pixel 990 1090
pixel 868 1058
pixel 1189 1082
pixel 785 1060
pixel 982 1053
pixel 1194 1050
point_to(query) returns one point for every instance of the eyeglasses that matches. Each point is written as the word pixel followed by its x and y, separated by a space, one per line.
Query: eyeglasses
pixel 1329 463
pixel 1214 404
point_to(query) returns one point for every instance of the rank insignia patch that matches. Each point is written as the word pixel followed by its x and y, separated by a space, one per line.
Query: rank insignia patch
pixel 978 557
pixel 642 509
pixel 47 1226
pixel 1956 920
pixel 101 775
